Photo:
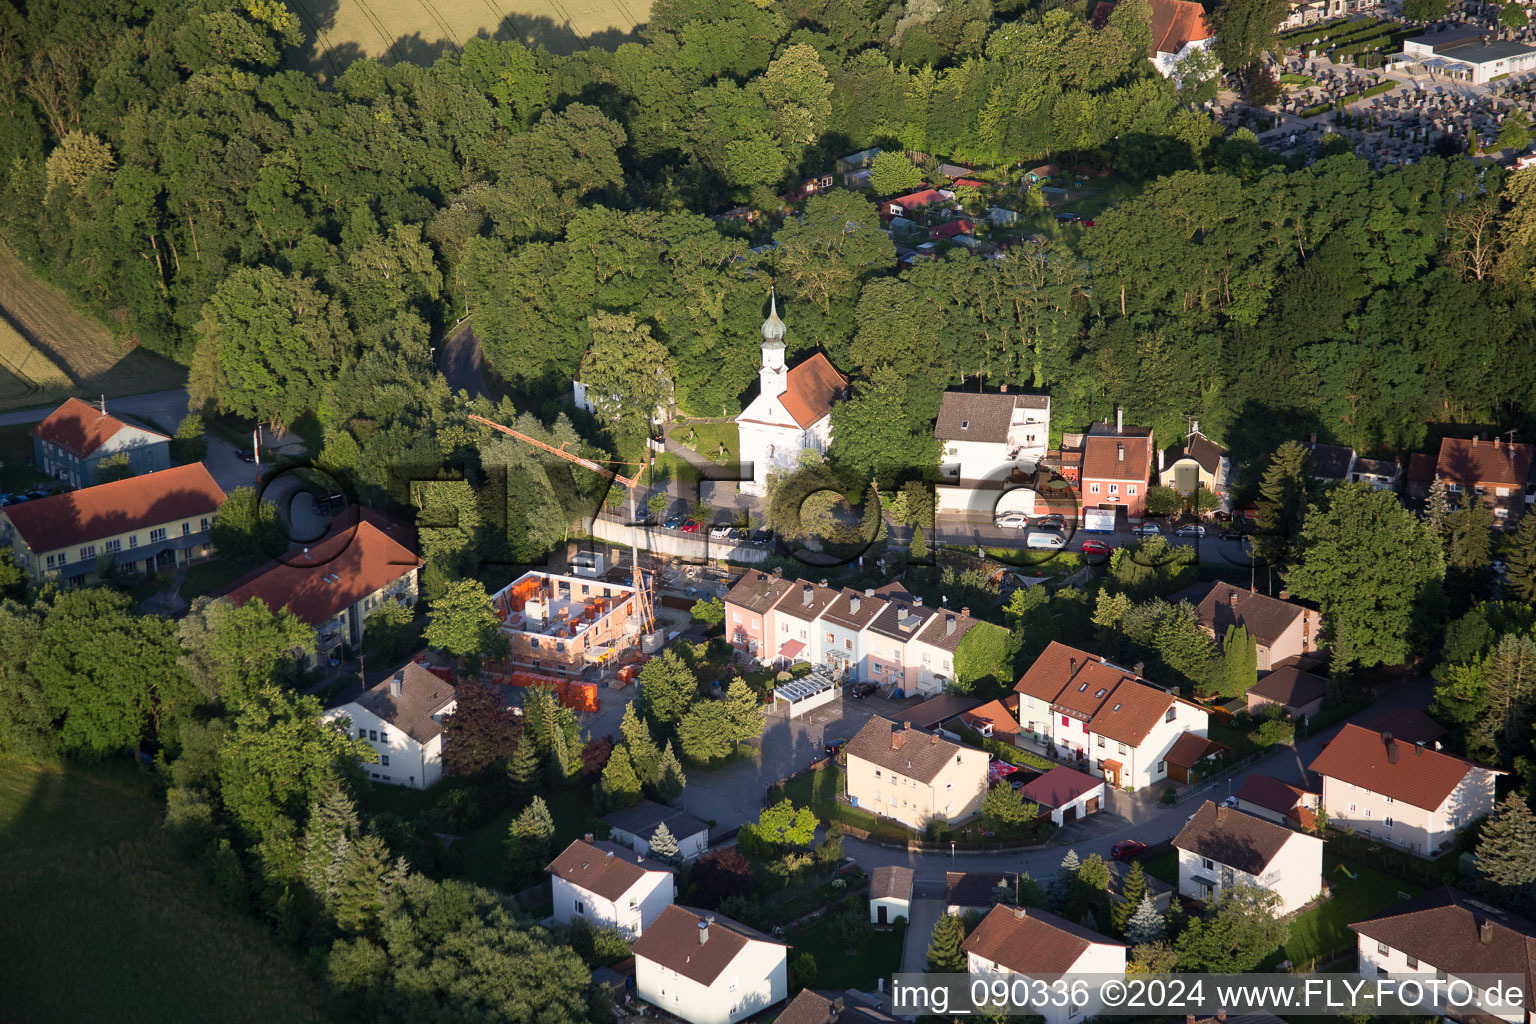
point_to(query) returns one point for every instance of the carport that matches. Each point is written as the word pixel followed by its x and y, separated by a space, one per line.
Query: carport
pixel 806 694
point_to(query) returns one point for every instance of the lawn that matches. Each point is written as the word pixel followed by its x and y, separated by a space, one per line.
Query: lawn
pixel 16 473
pixel 706 438
pixel 672 467
pixel 484 850
pixel 1324 931
pixel 211 576
pixel 103 922
pixel 841 964
pixel 819 792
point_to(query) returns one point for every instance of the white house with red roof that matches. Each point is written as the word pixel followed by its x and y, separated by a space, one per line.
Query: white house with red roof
pixel 141 524
pixel 77 437
pixel 609 886
pixel 704 968
pixel 1179 29
pixel 1024 940
pixel 364 560
pixel 792 411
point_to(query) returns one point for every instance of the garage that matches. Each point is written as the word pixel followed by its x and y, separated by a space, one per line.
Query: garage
pixel 1067 794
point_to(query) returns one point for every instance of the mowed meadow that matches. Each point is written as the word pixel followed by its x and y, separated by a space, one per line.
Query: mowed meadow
pixel 104 922
pixel 340 31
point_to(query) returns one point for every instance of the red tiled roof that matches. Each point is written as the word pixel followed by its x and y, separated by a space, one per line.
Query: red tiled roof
pixel 949 229
pixel 80 428
pixel 604 868
pixel 672 941
pixel 139 502
pixel 1189 750
pixel 1176 24
pixel 1130 712
pixel 1421 468
pixel 1445 929
pixel 995 715
pixel 926 197
pixel 340 570
pixel 1101 457
pixel 1270 793
pixel 1470 461
pixel 1420 776
pixel 810 388
pixel 1030 941
pixel 1059 665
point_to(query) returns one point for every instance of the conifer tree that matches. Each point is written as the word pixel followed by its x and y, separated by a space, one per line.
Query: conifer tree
pixel 664 844
pixel 944 953
pixel 332 824
pixel 523 768
pixel 744 711
pixel 1131 892
pixel 620 786
pixel 643 752
pixel 540 719
pixel 1284 495
pixel 672 781
pixel 1437 511
pixel 1520 562
pixel 1146 925
pixel 1506 852
pixel 559 764
pixel 360 897
pixel 1065 884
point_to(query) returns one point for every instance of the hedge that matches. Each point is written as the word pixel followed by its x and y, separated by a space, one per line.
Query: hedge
pixel 1006 751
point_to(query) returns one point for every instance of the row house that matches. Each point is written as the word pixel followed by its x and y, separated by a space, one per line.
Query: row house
pixel 1105 716
pixel 885 635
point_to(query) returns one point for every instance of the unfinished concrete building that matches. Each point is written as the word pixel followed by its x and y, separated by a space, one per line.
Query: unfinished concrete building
pixel 561 625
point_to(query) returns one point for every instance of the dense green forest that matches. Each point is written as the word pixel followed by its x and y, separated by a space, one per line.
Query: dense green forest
pixel 299 245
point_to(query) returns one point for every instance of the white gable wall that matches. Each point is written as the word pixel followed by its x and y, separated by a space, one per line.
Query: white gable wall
pixel 631 913
pixel 756 979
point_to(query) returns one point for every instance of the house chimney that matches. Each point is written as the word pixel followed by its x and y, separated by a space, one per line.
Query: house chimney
pixel 1119 420
pixel 1221 1014
pixel 703 930
pixel 949 624
pixel 397 684
pixel 1476 438
pixel 1391 745
pixel 1002 389
pixel 806 593
pixel 1139 668
pixel 1120 451
pixel 869 591
pixel 1497 443
pixel 1162 460
pixel 1485 932
pixel 933 739
pixel 853 604
pixel 965 609
pixel 587 838
pixel 1232 599
pixel 1418 747
pixel 778 571
pixel 1285 595
pixel 917 601
pixel 823 581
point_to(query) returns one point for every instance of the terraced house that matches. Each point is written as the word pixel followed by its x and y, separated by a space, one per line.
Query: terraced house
pixel 143 524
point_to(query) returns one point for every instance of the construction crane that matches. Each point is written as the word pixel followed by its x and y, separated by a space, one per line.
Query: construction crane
pixel 631 484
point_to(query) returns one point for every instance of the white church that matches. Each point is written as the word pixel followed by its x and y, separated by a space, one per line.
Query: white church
pixel 792 410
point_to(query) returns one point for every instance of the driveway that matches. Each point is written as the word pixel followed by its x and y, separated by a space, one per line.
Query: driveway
pixel 925 913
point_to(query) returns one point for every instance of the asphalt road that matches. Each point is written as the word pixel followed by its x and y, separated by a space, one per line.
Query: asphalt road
pixel 164 407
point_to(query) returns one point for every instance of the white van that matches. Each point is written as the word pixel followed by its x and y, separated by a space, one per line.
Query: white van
pixel 1044 539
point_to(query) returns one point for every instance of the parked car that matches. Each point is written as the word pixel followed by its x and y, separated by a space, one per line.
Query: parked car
pixel 245 455
pixel 1045 540
pixel 675 521
pixel 720 531
pixel 690 526
pixel 1012 521
pixel 1191 530
pixel 1069 218
pixel 738 535
pixel 861 690
pixel 1128 849
pixel 1147 529
pixel 831 747
pixel 762 538
pixel 1088 223
pixel 1096 548
pixel 1232 534
pixel 643 517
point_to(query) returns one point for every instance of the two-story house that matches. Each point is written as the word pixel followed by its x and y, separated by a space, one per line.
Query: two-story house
pixel 794 623
pixel 1195 463
pixel 890 643
pixel 704 968
pixel 747 608
pixel 141 524
pixel 987 443
pixel 1280 629
pixel 844 644
pixel 1446 934
pixel 1220 847
pixel 1331 463
pixel 609 886
pixel 77 439
pixel 1404 794
pixel 934 649
pixel 1496 473
pixel 1116 466
pixel 363 560
pixel 402 719
pixel 1036 943
pixel 1099 714
pixel 634 826
pixel 912 776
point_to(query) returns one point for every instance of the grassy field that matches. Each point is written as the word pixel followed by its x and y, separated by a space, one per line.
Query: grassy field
pixel 841 964
pixel 104 924
pixel 27 376
pixel 80 351
pixel 339 31
pixel 706 438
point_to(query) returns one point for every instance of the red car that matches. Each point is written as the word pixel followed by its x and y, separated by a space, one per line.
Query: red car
pixel 1096 547
pixel 1128 849
pixel 690 526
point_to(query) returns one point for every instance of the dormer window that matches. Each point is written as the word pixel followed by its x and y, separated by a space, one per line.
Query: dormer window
pixel 1169 716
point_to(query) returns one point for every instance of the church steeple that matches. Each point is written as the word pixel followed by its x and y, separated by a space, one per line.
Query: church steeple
pixel 773 327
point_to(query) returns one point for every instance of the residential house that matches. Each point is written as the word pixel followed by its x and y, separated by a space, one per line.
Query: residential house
pixel 911 776
pixel 1404 794
pixel 158 521
pixel 989 442
pixel 705 968
pixel 1331 463
pixel 792 411
pixel 951 230
pixel 401 718
pixel 1117 463
pixel 1277 801
pixel 890 643
pixel 1497 473
pixel 1220 847
pixel 1299 693
pixel 748 605
pixel 1179 29
pixel 77 439
pixel 793 623
pixel 1377 474
pixel 364 560
pixel 609 886
pixel 1446 934
pixel 890 894
pixel 634 826
pixel 994 720
pixel 843 625
pixel 1035 943
pixel 935 647
pixel 1419 475
pixel 1067 795
pixel 978 891
pixel 914 203
pixel 1104 716
pixel 588 402
pixel 1280 629
pixel 811 1006
pixel 1195 463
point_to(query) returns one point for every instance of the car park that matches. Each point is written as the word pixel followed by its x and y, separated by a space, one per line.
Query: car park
pixel 1012 521
pixel 1191 530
